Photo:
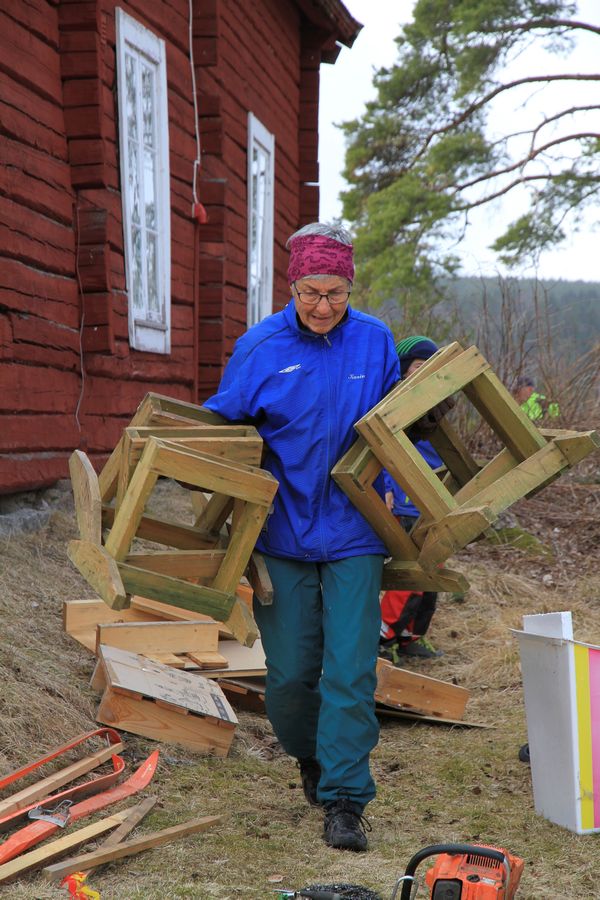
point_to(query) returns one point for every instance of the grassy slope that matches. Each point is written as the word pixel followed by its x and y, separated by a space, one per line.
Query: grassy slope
pixel 435 783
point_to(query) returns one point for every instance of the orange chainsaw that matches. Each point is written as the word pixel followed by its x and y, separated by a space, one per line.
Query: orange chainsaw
pixel 463 872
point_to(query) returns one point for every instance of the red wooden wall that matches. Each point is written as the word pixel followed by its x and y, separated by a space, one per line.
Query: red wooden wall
pixel 62 284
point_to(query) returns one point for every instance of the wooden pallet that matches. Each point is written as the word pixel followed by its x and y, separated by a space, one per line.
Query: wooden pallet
pixel 458 508
pixel 162 703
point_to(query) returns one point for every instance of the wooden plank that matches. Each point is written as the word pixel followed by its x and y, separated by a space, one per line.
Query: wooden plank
pixel 419 397
pixel 246 450
pixel 80 615
pixel 213 516
pixel 41 855
pixel 406 466
pixel 133 817
pixel 529 475
pixel 502 463
pixel 245 662
pixel 452 533
pixel 433 364
pixel 242 541
pixel 161 531
pixel 419 693
pixel 167 659
pixel 453 452
pixel 200 564
pixel 172 613
pixel 128 848
pixel 391 713
pixel 46 786
pixel 183 409
pixel 107 480
pixel 260 581
pixel 88 501
pixel 127 517
pixel 204 471
pixel 126 467
pixel 100 571
pixel 194 597
pixel 575 446
pixel 199 502
pixel 242 625
pixel 194 430
pixel 400 575
pixel 354 473
pixel 160 637
pixel 208 660
pixel 495 404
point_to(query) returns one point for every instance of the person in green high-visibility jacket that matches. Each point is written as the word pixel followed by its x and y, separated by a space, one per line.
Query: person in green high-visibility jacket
pixel 535 405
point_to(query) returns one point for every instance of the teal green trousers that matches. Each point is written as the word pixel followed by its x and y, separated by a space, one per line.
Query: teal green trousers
pixel 320 638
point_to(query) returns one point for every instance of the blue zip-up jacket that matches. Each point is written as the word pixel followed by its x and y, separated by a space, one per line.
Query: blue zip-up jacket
pixel 304 392
pixel 403 505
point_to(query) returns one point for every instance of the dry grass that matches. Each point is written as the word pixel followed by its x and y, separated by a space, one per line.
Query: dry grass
pixel 434 783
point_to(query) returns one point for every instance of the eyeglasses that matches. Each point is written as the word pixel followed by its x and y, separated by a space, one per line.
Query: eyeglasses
pixel 313 298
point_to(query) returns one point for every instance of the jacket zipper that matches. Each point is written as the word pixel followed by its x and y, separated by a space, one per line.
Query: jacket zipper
pixel 328 445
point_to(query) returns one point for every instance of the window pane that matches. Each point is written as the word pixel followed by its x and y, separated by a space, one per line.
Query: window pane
pixel 148 104
pixel 134 182
pixel 136 269
pixel 131 95
pixel 150 187
pixel 154 310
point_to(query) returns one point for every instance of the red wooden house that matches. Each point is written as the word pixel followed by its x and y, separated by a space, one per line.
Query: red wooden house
pixel 155 155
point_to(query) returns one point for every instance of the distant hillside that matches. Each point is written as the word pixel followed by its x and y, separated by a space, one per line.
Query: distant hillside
pixel 572 308
pixel 478 308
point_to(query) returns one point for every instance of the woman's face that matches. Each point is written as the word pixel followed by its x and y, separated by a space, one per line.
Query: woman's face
pixel 324 315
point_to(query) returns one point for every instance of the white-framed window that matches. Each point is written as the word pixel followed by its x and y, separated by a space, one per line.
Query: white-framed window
pixel 144 146
pixel 261 191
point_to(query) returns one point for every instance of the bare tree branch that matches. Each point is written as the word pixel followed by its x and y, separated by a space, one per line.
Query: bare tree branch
pixel 546 23
pixel 499 89
pixel 524 160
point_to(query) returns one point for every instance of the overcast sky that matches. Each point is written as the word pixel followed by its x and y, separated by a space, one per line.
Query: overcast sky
pixel 347 85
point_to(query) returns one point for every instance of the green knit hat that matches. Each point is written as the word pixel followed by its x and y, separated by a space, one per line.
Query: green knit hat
pixel 416 347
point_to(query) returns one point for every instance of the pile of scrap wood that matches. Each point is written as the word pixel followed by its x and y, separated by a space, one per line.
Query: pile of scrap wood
pixel 158 668
pixel 160 633
pixel 43 808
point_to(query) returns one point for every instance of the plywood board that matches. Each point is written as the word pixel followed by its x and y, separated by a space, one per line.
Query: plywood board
pixel 418 693
pixel 132 672
pixel 242 661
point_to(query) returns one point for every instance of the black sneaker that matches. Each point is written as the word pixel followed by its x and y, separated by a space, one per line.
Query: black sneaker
pixel 344 827
pixel 310 773
pixel 421 648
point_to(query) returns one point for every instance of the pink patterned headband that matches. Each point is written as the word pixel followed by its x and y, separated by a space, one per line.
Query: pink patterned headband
pixel 316 254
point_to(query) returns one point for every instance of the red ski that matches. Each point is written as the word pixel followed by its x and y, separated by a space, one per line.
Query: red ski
pixel 92 786
pixel 32 834
pixel 112 736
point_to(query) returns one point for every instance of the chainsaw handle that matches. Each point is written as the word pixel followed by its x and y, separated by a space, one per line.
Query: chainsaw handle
pixel 454 850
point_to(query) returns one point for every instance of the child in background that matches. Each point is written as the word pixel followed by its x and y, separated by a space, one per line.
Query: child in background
pixel 406 615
